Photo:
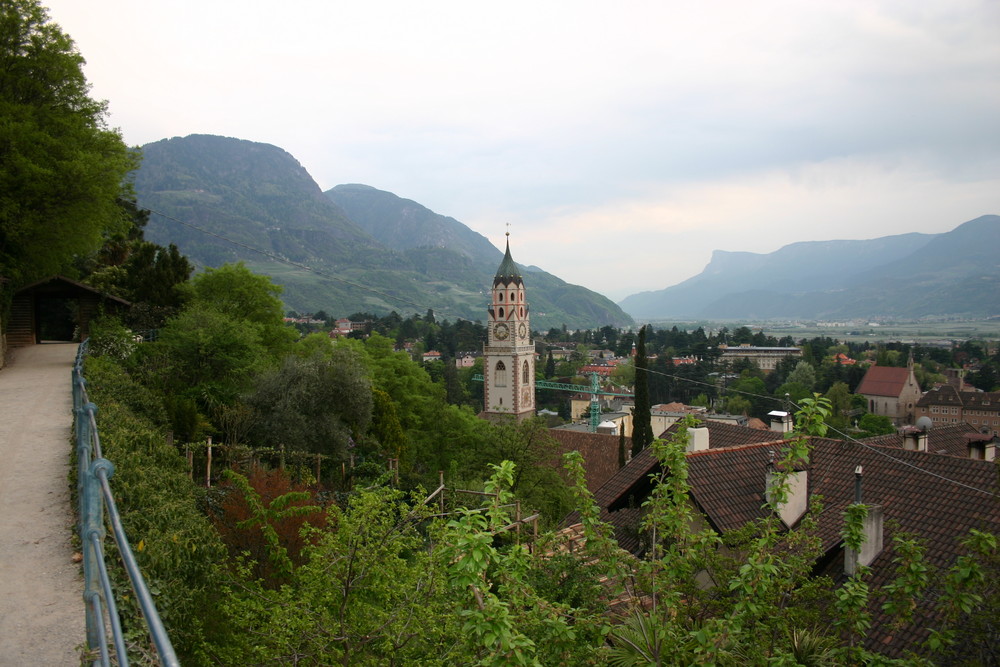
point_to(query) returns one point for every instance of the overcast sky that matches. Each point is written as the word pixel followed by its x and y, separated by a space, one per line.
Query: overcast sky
pixel 623 142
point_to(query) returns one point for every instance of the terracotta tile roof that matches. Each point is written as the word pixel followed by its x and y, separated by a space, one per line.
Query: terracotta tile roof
pixel 620 497
pixel 943 395
pixel 599 450
pixel 883 381
pixel 729 487
pixel 972 400
pixel 916 490
pixel 724 434
pixel 671 407
pixel 950 439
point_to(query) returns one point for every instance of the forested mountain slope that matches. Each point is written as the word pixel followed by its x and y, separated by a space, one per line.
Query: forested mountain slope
pixel 395 255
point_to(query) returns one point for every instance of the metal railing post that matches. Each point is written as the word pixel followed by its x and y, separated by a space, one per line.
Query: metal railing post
pixel 93 498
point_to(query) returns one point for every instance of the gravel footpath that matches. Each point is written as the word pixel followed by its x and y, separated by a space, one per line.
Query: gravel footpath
pixel 41 589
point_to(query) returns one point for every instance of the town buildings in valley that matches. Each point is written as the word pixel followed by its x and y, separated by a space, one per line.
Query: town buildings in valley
pixel 948 405
pixel 766 358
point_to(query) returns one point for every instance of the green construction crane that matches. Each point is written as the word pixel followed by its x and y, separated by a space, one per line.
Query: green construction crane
pixel 594 390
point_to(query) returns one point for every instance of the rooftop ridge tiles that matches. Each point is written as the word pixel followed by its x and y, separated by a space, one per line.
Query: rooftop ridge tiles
pixel 733 448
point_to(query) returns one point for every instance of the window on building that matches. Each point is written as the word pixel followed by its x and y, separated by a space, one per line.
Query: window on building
pixel 500 376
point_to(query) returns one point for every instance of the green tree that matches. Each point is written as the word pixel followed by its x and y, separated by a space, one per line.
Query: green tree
pixel 642 426
pixel 205 356
pixel 794 390
pixel 839 396
pixel 986 378
pixel 532 450
pixel 804 374
pixel 438 436
pixel 241 295
pixel 624 374
pixel 315 405
pixel 550 366
pixel 63 169
pixel 876 425
pixel 749 393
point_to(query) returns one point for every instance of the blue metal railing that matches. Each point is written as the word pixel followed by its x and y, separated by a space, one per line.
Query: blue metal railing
pixel 94 493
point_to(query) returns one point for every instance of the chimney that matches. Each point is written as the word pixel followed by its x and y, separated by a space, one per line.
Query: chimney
pixel 781 422
pixel 797 498
pixel 608 427
pixel 871 545
pixel 914 439
pixel 698 439
pixel 982 447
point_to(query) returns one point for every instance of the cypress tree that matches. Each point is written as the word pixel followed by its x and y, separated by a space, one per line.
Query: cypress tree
pixel 642 427
pixel 621 448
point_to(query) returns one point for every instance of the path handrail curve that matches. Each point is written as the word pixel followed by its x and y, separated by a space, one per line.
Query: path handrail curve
pixel 95 499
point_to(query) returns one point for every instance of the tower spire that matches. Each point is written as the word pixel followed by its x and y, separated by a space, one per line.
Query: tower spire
pixel 508 272
pixel 509 353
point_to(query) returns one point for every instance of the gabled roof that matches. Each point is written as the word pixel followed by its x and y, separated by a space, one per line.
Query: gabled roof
pixel 622 494
pixel 950 439
pixel 884 381
pixel 973 400
pixel 936 497
pixel 599 450
pixel 63 287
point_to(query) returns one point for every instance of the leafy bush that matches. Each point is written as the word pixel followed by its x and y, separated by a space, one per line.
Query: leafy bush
pixel 175 545
pixel 110 338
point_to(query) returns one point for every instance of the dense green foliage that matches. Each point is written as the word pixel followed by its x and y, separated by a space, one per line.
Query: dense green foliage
pixel 62 169
pixel 177 549
pixel 372 574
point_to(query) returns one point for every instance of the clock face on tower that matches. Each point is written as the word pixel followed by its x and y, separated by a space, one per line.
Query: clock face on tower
pixel 501 331
pixel 522 330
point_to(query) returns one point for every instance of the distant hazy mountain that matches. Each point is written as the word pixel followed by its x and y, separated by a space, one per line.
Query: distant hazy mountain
pixel 909 275
pixel 397 255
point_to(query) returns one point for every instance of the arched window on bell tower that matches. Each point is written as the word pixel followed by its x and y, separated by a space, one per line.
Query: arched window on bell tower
pixel 500 377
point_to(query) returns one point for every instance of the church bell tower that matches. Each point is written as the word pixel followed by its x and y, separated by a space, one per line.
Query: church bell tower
pixel 509 354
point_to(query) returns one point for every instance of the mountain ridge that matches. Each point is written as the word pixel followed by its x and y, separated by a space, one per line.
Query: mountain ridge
pixel 277 220
pixel 905 275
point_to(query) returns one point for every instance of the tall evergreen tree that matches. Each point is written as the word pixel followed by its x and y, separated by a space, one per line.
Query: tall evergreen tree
pixel 642 427
pixel 550 366
pixel 621 448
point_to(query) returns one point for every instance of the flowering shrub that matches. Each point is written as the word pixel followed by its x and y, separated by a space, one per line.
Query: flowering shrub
pixel 111 338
